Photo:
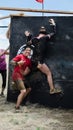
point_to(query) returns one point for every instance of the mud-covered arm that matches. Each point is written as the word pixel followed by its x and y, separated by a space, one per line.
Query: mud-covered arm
pixel 14 63
pixel 53 28
pixel 28 36
pixel 17 63
pixel 17 60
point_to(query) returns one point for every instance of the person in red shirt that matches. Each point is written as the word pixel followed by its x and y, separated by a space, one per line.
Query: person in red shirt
pixel 22 65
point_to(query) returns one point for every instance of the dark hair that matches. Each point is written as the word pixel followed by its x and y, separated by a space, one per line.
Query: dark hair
pixel 42 30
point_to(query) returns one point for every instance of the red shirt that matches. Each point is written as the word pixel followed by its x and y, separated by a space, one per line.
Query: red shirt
pixel 21 69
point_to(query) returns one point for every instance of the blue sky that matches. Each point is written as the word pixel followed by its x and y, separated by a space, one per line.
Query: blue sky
pixel 64 5
pixel 48 4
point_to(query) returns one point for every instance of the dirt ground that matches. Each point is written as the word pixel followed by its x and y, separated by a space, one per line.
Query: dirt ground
pixel 33 117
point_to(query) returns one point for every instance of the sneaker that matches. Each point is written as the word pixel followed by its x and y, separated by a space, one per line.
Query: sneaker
pixel 17 108
pixel 53 91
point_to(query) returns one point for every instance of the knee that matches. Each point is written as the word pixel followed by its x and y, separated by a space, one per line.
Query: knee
pixel 23 91
pixel 28 89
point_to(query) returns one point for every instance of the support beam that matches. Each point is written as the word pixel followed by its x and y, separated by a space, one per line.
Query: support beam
pixel 34 10
pixel 3 26
pixel 19 14
pixel 4 17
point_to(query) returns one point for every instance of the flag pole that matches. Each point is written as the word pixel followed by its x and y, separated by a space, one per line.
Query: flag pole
pixel 43 8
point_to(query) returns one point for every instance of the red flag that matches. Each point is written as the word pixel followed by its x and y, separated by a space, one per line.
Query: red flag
pixel 40 1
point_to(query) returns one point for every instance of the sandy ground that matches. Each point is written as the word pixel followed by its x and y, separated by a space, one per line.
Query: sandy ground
pixel 33 117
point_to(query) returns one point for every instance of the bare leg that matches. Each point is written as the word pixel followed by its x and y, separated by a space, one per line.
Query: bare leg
pixel 20 98
pixel 44 68
pixel 23 92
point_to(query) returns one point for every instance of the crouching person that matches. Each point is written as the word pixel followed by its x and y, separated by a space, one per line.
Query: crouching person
pixel 22 65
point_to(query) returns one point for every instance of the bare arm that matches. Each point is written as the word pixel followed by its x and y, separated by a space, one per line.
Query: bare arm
pixel 5 52
pixel 17 63
pixel 27 71
pixel 14 63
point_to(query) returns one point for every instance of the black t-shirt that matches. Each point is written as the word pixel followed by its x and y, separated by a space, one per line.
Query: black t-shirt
pixel 40 47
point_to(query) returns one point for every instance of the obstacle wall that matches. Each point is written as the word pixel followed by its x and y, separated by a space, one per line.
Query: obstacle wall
pixel 58 56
